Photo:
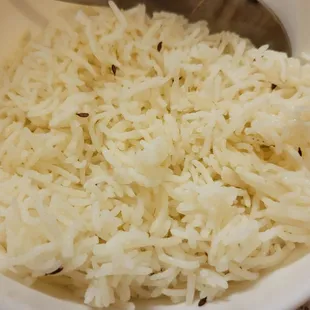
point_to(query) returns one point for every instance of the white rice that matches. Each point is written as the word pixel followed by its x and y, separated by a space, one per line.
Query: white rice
pixel 184 176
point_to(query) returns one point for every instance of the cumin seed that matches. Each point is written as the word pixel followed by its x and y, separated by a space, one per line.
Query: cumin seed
pixel 159 46
pixel 58 270
pixel 202 302
pixel 273 86
pixel 82 114
pixel 114 69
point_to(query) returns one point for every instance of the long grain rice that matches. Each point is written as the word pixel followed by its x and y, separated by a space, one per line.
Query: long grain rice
pixel 143 157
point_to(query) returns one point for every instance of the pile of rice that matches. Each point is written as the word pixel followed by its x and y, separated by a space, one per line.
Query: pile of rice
pixel 144 157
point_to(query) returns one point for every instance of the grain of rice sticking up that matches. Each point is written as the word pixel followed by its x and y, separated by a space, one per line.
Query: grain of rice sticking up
pixel 149 169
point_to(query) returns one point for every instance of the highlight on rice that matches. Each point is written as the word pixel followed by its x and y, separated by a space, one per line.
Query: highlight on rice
pixel 142 157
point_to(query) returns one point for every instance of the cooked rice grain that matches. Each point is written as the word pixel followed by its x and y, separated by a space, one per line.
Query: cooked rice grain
pixel 182 172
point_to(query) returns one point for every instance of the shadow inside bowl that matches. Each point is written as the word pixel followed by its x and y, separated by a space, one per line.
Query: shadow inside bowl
pixel 29 11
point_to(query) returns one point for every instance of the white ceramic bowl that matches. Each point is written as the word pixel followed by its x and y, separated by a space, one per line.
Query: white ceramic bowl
pixel 283 289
